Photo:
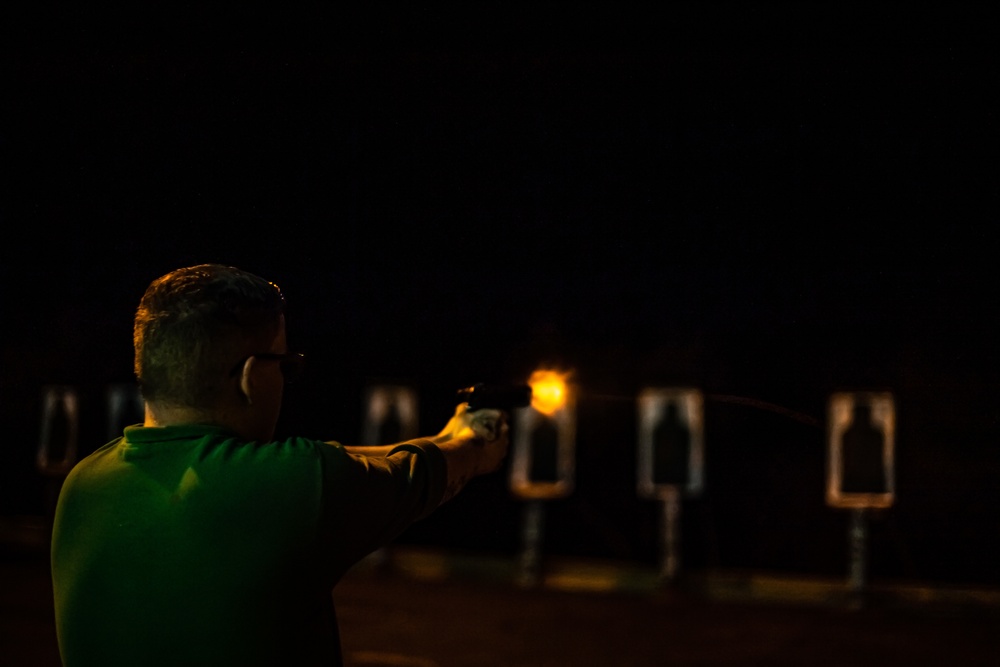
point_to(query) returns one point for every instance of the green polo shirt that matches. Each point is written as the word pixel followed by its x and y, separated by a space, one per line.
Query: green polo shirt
pixel 185 545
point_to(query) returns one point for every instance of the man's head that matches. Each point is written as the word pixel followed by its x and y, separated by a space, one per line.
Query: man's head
pixel 196 332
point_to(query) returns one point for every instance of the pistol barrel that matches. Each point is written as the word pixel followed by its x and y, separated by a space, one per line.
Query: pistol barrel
pixel 497 397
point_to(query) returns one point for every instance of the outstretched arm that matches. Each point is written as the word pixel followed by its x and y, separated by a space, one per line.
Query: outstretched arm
pixel 473 443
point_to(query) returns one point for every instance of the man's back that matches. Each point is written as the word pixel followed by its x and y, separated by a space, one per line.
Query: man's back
pixel 182 545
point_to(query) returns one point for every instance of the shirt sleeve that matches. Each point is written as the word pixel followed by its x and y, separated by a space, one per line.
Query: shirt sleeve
pixel 368 501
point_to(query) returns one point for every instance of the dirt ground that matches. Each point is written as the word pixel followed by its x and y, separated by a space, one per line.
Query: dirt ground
pixel 393 618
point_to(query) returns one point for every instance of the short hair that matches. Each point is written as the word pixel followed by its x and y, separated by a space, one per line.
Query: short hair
pixel 192 326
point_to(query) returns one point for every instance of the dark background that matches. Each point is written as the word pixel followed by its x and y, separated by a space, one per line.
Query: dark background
pixel 755 199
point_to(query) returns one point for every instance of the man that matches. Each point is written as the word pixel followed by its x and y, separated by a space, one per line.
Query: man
pixel 195 539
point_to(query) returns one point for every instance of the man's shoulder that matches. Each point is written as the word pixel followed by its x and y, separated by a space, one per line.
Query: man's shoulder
pixel 207 435
pixel 203 446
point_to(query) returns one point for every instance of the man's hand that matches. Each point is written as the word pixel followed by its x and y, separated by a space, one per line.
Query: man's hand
pixel 487 424
pixel 474 443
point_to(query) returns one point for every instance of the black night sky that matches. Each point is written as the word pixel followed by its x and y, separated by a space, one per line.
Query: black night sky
pixel 755 199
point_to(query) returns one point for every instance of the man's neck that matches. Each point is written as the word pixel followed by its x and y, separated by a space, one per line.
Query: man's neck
pixel 231 418
pixel 159 414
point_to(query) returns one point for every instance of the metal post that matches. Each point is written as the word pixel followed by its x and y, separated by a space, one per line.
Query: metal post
pixel 531 550
pixel 858 537
pixel 670 533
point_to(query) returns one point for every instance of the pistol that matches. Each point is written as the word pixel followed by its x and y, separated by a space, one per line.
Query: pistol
pixel 495 397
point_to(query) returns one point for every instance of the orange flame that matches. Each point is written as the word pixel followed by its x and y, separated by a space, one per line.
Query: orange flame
pixel 548 390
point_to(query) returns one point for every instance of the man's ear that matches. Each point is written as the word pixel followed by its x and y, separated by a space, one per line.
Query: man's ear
pixel 246 380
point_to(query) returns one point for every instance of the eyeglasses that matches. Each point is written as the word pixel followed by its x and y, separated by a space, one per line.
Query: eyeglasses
pixel 290 364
